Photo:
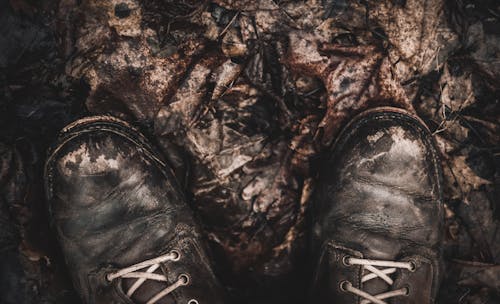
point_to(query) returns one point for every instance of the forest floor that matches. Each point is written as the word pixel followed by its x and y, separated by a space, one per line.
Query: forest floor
pixel 243 98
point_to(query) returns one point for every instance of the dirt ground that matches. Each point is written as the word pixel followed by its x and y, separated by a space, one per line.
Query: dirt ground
pixel 243 98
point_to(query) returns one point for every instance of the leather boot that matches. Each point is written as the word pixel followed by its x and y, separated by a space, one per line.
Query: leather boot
pixel 378 213
pixel 125 229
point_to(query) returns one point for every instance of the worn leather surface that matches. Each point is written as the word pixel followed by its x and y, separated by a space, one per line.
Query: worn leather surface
pixel 379 197
pixel 115 203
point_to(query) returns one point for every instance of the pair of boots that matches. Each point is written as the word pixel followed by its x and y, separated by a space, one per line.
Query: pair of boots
pixel 128 235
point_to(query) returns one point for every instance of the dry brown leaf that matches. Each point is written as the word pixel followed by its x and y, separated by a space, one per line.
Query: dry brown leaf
pixel 466 179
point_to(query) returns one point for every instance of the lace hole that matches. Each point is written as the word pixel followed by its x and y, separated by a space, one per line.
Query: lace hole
pixel 193 301
pixel 346 260
pixel 176 255
pixel 407 290
pixel 184 278
pixel 108 278
pixel 344 285
pixel 413 266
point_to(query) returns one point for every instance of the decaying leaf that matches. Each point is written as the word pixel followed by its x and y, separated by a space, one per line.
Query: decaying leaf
pixel 355 78
pixel 466 180
pixel 480 274
pixel 243 98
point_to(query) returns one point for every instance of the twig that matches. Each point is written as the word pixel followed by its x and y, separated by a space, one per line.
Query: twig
pixel 229 24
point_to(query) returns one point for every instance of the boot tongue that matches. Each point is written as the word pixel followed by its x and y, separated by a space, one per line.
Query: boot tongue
pixel 379 247
pixel 147 290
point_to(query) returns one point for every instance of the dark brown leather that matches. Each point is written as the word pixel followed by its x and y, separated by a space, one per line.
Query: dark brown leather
pixel 379 197
pixel 114 203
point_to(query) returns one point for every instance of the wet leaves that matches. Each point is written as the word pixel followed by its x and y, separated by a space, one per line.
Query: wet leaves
pixel 243 97
pixel 355 78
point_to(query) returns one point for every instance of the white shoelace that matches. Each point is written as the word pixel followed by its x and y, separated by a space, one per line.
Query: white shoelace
pixel 375 272
pixel 152 265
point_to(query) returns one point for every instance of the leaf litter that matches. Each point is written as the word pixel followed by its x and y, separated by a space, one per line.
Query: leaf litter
pixel 243 97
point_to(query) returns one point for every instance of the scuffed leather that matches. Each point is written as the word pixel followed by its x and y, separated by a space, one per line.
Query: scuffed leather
pixel 379 195
pixel 331 271
pixel 115 203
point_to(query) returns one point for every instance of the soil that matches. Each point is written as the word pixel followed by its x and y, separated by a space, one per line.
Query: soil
pixel 243 98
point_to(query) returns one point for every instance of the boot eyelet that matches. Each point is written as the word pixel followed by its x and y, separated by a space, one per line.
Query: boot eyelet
pixel 407 290
pixel 413 266
pixel 176 254
pixel 346 260
pixel 193 301
pixel 344 285
pixel 184 278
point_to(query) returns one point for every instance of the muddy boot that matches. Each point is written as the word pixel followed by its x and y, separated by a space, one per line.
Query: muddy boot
pixel 378 214
pixel 125 229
